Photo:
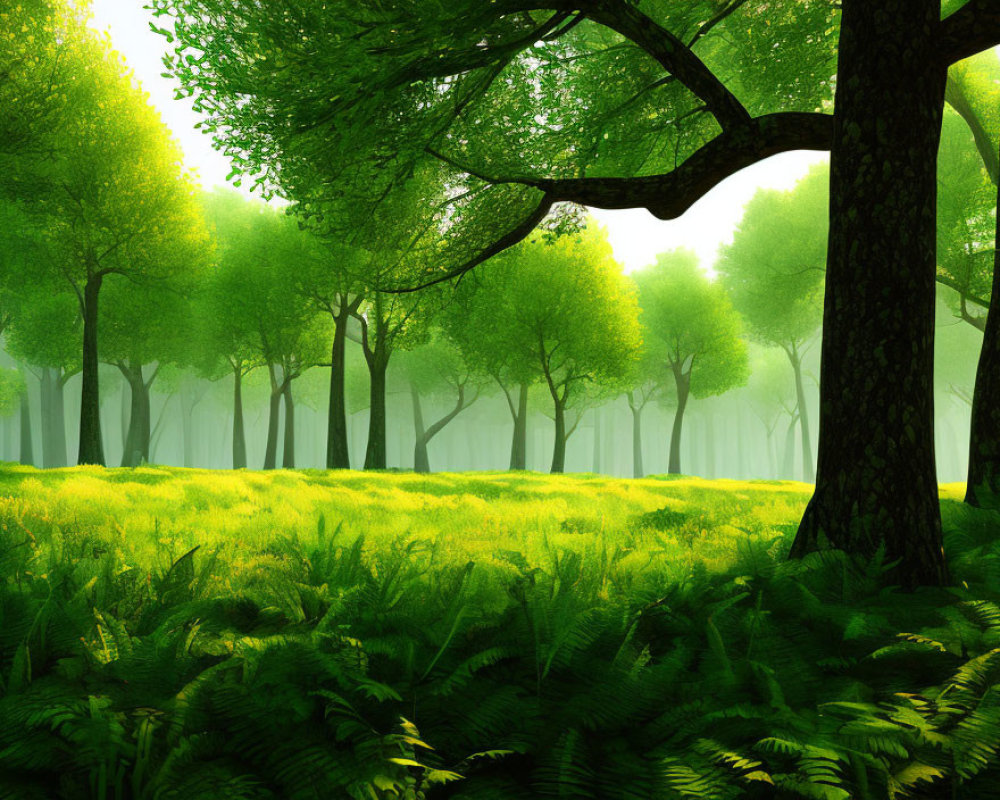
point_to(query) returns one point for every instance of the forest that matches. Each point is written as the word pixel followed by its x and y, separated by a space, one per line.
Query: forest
pixel 374 470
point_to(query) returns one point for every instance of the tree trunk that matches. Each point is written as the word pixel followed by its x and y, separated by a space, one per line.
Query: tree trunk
pixel 27 455
pixel 271 448
pixel 421 463
pixel 288 457
pixel 808 472
pixel 983 486
pixel 559 448
pixel 683 382
pixel 91 444
pixel 239 429
pixel 136 449
pixel 375 452
pixel 337 450
pixel 519 442
pixel 876 487
pixel 637 469
pixel 53 419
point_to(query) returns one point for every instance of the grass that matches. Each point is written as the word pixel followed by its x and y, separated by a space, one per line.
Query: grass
pixel 476 636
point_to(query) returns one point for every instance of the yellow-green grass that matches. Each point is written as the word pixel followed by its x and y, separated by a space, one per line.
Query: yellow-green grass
pixel 155 512
pixel 152 515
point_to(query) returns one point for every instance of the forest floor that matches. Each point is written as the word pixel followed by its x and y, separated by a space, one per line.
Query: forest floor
pixel 481 635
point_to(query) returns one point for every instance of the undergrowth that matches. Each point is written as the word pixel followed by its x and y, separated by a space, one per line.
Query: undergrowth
pixel 591 662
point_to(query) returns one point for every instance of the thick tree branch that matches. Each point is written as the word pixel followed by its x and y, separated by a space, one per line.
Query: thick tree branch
pixel 671 53
pixel 973 28
pixel 954 95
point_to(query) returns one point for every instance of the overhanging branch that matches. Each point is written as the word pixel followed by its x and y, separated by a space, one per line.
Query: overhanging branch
pixel 973 28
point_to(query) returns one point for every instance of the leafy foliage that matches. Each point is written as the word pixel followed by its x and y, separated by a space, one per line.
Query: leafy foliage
pixel 330 663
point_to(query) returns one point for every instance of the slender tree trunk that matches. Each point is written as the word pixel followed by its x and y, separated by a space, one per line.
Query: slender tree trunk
pixel 27 455
pixel 136 449
pixel 239 429
pixel 91 444
pixel 421 463
pixel 375 452
pixel 288 457
pixel 876 486
pixel 983 486
pixel 519 442
pixel 337 450
pixel 808 472
pixel 683 382
pixel 271 448
pixel 53 419
pixel 637 469
pixel 559 449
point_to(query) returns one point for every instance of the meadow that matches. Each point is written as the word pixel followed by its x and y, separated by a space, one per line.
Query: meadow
pixel 171 633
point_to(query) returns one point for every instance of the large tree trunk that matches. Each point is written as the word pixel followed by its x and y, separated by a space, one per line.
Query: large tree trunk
pixel 683 382
pixel 53 419
pixel 876 485
pixel 421 462
pixel 239 429
pixel 808 471
pixel 559 448
pixel 337 450
pixel 983 487
pixel 271 448
pixel 91 449
pixel 637 468
pixel 27 454
pixel 288 456
pixel 519 442
pixel 375 452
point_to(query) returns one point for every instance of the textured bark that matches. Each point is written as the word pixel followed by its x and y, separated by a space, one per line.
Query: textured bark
pixel 27 454
pixel 876 487
pixel 808 469
pixel 375 457
pixel 683 382
pixel 337 448
pixel 274 406
pixel 519 441
pixel 288 456
pixel 983 483
pixel 53 419
pixel 239 428
pixel 91 449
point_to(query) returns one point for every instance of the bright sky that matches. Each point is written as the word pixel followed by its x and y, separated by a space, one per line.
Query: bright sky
pixel 635 235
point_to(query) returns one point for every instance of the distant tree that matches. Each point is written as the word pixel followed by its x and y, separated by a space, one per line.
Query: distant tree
pixel 772 398
pixel 12 389
pixel 45 335
pixel 565 308
pixel 436 371
pixel 115 204
pixel 146 328
pixel 773 272
pixel 647 383
pixel 694 331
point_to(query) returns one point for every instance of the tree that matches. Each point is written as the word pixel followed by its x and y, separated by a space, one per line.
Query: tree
pixel 116 205
pixel 622 106
pixel 565 308
pixel 436 370
pixel 694 332
pixel 772 398
pixel 778 289
pixel 646 384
